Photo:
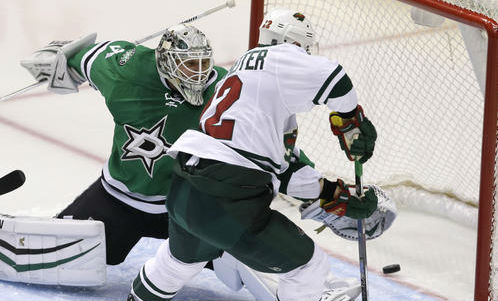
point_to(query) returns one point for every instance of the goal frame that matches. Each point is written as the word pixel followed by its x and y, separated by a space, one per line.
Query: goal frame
pixel 485 228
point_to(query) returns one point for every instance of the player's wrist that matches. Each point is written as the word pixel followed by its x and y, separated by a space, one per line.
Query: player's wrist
pixel 348 115
pixel 328 190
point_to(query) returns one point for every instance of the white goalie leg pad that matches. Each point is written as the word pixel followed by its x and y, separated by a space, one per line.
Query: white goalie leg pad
pixel 263 286
pixel 167 273
pixel 52 251
pixel 235 275
pixel 306 282
pixel 227 270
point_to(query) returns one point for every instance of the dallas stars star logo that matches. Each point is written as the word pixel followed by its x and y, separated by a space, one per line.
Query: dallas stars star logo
pixel 147 145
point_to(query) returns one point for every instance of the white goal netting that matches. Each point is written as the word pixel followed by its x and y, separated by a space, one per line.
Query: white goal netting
pixel 422 85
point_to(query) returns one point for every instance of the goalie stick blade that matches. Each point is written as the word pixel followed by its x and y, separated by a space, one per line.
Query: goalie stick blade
pixel 11 181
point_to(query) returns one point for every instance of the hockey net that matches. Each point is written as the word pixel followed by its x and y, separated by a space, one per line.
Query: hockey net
pixel 424 87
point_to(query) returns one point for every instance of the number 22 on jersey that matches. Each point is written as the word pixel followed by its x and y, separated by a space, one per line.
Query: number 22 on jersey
pixel 215 126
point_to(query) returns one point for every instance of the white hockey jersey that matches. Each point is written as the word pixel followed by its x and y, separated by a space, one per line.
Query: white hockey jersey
pixel 244 122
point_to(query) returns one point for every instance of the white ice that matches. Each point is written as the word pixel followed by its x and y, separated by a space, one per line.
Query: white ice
pixel 61 142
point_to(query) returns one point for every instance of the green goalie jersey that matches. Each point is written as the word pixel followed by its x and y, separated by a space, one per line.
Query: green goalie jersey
pixel 148 118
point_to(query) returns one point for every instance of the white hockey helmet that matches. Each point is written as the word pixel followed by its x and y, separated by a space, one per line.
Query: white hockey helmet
pixel 185 58
pixel 286 26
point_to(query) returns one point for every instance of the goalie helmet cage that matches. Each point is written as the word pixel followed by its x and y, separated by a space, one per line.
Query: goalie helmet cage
pixel 434 107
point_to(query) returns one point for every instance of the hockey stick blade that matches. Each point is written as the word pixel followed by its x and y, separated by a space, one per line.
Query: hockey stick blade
pixel 11 181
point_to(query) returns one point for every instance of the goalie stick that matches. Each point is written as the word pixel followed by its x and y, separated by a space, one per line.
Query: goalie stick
pixel 228 3
pixel 362 245
pixel 25 89
pixel 11 181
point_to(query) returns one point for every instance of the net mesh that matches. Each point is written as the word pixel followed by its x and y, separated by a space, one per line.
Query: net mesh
pixel 418 85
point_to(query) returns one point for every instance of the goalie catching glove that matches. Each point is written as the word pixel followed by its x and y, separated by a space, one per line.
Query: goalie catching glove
pixel 356 134
pixel 50 64
pixel 346 227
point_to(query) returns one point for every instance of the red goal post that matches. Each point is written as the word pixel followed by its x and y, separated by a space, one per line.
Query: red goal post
pixel 477 18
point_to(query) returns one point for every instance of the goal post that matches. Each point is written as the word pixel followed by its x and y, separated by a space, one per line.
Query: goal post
pixel 421 89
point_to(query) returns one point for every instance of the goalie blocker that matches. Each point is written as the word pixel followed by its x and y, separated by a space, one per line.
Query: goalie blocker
pixel 52 251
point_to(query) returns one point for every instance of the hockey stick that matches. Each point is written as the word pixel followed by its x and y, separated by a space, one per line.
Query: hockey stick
pixel 362 246
pixel 11 181
pixel 228 3
pixel 23 90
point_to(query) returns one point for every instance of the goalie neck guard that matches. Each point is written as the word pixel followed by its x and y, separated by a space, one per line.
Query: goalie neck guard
pixel 184 58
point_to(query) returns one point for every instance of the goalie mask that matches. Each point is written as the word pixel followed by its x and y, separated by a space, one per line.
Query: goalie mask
pixel 285 26
pixel 184 58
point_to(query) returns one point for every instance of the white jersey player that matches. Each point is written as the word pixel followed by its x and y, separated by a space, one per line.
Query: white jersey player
pixel 228 173
pixel 245 126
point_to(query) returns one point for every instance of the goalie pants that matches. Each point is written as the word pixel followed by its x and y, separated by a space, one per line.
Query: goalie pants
pixel 217 206
pixel 124 225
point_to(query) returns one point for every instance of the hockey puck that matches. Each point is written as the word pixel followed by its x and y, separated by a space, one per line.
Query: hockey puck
pixel 392 268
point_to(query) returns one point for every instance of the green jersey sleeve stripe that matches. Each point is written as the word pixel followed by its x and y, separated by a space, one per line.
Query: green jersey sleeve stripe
pixel 89 58
pixel 326 84
pixel 343 86
pixel 286 176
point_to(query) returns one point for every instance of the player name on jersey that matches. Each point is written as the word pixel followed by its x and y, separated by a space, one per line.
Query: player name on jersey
pixel 252 60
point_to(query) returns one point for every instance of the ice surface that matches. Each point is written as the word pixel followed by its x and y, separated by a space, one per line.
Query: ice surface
pixel 61 142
